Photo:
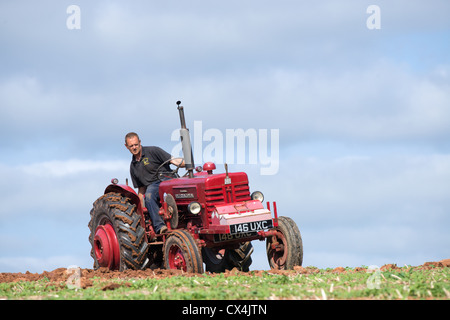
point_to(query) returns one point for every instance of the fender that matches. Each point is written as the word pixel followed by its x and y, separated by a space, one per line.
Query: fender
pixel 128 192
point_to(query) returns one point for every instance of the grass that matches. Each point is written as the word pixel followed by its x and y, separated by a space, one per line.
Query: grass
pixel 401 283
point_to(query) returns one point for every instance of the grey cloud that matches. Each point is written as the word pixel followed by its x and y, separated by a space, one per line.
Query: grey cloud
pixel 314 71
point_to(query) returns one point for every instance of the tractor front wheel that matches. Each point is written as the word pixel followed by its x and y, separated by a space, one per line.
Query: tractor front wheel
pixel 181 252
pixel 285 248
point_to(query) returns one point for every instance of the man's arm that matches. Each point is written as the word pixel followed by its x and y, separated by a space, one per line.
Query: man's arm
pixel 141 194
pixel 177 161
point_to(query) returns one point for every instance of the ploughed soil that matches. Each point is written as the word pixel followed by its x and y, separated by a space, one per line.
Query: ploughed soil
pixel 86 275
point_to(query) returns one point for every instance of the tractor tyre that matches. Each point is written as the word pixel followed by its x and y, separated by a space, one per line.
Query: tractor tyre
pixel 285 249
pixel 116 235
pixel 227 259
pixel 181 252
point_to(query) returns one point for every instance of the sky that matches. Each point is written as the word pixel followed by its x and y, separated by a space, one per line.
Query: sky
pixel 348 109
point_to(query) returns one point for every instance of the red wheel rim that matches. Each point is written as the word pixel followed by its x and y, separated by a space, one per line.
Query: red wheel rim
pixel 277 252
pixel 176 259
pixel 106 247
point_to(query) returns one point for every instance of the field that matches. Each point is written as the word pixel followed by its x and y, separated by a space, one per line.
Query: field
pixel 390 282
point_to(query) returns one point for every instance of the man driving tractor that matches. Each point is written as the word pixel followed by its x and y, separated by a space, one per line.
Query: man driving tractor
pixel 143 171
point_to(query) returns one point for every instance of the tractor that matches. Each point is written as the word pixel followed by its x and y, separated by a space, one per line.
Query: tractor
pixel 211 217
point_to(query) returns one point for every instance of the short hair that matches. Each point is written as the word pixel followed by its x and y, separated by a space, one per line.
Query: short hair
pixel 131 135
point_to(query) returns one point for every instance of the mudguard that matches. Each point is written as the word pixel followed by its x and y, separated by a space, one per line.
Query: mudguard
pixel 128 192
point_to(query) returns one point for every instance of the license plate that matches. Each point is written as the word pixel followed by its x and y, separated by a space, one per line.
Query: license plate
pixel 229 237
pixel 251 226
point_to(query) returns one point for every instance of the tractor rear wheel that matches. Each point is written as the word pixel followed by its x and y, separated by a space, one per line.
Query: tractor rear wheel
pixel 285 249
pixel 181 252
pixel 116 234
pixel 227 259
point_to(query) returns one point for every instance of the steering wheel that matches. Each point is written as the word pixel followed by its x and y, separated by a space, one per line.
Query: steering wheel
pixel 161 173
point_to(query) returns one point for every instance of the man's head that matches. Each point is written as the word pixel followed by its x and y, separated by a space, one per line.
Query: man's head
pixel 133 144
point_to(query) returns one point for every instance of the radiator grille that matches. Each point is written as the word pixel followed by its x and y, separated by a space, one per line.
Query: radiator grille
pixel 226 193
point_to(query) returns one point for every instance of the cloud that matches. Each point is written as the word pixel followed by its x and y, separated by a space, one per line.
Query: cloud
pixel 373 244
pixel 60 190
pixel 67 122
pixel 385 102
pixel 380 208
pixel 362 114
pixel 45 211
pixel 382 103
pixel 38 264
pixel 356 188
pixel 72 167
pixel 283 61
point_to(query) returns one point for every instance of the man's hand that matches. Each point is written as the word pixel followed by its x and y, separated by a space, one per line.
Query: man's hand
pixel 178 162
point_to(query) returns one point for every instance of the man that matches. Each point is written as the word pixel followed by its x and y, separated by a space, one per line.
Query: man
pixel 144 163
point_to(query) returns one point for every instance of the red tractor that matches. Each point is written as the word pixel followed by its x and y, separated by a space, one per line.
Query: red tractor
pixel 211 218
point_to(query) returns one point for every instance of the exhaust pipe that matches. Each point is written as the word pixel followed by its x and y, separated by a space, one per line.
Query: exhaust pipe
pixel 186 143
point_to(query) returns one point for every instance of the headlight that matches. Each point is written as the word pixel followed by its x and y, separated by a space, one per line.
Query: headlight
pixel 257 195
pixel 194 207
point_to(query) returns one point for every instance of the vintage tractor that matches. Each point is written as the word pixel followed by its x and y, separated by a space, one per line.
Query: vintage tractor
pixel 211 218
